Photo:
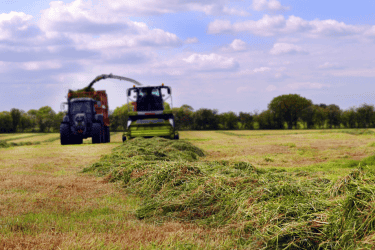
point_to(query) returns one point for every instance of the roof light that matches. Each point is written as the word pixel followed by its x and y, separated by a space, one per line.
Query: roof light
pixel 162 84
pixel 133 86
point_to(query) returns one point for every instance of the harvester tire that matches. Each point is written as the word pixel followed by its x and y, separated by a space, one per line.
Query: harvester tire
pixel 96 133
pixel 123 138
pixel 64 134
pixel 177 137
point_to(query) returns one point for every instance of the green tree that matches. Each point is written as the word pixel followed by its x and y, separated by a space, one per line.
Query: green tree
pixel 183 117
pixel 307 116
pixel 349 118
pixel 268 120
pixel 45 117
pixel 288 108
pixel 113 121
pixel 57 119
pixel 206 119
pixel 25 121
pixel 32 113
pixel 229 120
pixel 247 120
pixel 334 116
pixel 6 124
pixel 16 117
pixel 120 116
pixel 320 115
pixel 364 115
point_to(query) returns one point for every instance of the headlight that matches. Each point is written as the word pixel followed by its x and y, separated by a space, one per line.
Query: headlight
pixel 129 122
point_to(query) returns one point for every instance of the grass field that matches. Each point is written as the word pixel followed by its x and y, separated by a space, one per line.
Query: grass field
pixel 285 193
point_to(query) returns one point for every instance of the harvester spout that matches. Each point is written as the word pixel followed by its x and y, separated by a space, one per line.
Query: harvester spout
pixel 98 78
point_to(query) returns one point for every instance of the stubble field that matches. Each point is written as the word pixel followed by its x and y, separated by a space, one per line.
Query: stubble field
pixel 236 196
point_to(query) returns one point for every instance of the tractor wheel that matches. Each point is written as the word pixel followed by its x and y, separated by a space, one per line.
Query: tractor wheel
pixel 96 133
pixel 104 137
pixel 107 134
pixel 64 134
pixel 78 140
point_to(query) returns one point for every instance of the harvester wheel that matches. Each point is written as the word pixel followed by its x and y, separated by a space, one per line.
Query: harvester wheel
pixel 123 138
pixel 177 137
pixel 96 133
pixel 64 134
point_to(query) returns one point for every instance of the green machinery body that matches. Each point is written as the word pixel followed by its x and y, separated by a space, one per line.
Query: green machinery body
pixel 150 115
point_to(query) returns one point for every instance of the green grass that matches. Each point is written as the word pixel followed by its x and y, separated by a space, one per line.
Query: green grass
pixel 261 208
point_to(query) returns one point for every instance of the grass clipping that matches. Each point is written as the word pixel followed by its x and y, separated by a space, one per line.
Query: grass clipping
pixel 260 209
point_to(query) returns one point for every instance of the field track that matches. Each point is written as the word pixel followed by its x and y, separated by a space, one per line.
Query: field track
pixel 47 203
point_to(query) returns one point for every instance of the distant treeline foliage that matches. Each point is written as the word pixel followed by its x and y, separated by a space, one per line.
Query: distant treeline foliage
pixel 285 111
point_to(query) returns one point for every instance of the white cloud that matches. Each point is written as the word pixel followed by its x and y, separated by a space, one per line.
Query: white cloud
pixel 80 20
pixel 234 12
pixel 271 5
pixel 219 26
pixel 210 62
pixel 333 28
pixel 278 25
pixel 328 65
pixel 16 26
pixel 238 45
pixel 261 69
pixel 370 32
pixel 306 85
pixel 245 89
pixel 151 7
pixel 191 40
pixel 271 88
pixel 286 48
pixel 40 65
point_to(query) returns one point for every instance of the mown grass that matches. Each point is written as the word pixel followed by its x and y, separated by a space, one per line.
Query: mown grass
pixel 259 208
pixel 173 197
pixel 4 144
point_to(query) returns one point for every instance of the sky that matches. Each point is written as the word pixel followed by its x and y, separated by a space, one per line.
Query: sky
pixel 218 54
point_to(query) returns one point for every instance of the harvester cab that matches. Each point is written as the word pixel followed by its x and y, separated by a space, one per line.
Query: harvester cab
pixel 150 113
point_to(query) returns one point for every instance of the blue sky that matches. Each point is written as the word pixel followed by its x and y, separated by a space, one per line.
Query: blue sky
pixel 229 55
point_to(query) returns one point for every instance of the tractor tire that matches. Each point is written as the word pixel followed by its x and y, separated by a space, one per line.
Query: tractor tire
pixel 107 134
pixel 64 134
pixel 96 133
pixel 78 140
pixel 104 138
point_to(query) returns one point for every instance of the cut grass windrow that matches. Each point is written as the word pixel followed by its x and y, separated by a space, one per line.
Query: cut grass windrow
pixel 4 144
pixel 260 208
pixel 22 137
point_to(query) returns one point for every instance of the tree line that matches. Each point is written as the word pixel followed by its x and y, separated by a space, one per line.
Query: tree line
pixel 284 112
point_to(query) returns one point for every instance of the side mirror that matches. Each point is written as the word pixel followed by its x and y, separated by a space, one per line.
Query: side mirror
pixel 129 92
pixel 169 91
pixel 62 106
pixel 98 103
